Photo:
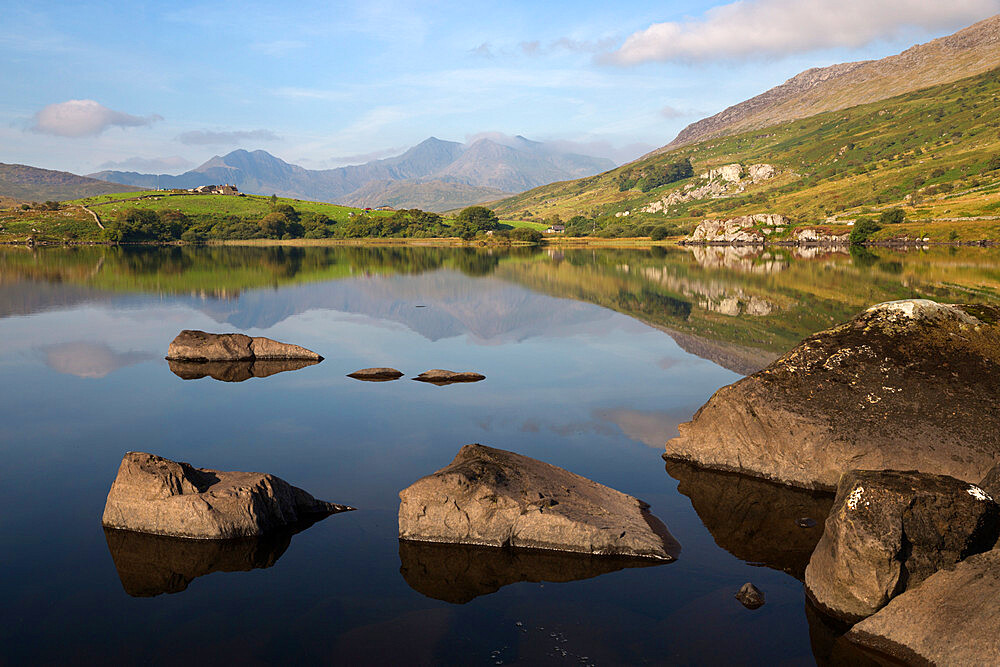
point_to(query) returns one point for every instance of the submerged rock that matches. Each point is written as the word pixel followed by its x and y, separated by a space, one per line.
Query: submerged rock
pixel 889 531
pixel 458 573
pixel 150 565
pixel 750 596
pixel 163 497
pixel 755 520
pixel 441 377
pixel 953 618
pixel 376 374
pixel 492 497
pixel 904 384
pixel 191 345
pixel 236 371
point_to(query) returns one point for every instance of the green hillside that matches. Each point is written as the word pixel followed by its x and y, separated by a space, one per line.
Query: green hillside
pixel 23 183
pixel 934 152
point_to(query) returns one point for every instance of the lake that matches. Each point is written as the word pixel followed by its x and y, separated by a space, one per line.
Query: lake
pixel 592 357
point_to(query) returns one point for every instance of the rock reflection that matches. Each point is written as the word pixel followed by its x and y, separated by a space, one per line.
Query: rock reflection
pixel 458 573
pixel 150 565
pixel 755 520
pixel 830 648
pixel 236 371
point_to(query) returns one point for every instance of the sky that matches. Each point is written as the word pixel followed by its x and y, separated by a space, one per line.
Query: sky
pixel 162 87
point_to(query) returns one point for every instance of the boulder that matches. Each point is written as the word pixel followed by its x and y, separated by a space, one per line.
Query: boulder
pixel 376 374
pixel 458 573
pixel 888 531
pixel 150 565
pixel 750 596
pixel 496 498
pixel 904 384
pixel 441 377
pixel 953 618
pixel 191 345
pixel 163 497
pixel 757 521
pixel 236 371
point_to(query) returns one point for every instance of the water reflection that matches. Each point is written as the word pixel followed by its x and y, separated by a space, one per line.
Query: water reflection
pixel 458 573
pixel 831 649
pixel 150 565
pixel 89 360
pixel 755 520
pixel 236 371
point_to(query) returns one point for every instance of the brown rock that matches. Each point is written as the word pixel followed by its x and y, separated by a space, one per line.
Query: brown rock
pixel 953 618
pixel 442 377
pixel 493 497
pixel 458 573
pixel 235 371
pixel 905 384
pixel 750 596
pixel 191 345
pixel 888 531
pixel 162 497
pixel 376 374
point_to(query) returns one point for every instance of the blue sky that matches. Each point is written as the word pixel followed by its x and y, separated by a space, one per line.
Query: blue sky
pixel 164 86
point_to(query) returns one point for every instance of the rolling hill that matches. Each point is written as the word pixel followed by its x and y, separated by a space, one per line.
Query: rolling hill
pixel 434 175
pixel 23 183
pixel 971 51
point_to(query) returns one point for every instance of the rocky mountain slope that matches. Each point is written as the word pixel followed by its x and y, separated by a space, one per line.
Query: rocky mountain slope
pixel 970 51
pixel 433 175
pixel 21 182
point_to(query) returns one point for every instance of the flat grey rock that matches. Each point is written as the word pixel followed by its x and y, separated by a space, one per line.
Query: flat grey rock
pixel 376 374
pixel 441 377
pixel 496 498
pixel 905 384
pixel 193 345
pixel 888 531
pixel 155 495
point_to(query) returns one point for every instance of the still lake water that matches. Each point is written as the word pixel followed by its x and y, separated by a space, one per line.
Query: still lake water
pixel 592 358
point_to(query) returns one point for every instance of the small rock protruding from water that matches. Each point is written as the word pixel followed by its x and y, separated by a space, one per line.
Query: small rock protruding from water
pixel 750 596
pixel 376 374
pixel 439 376
pixel 805 522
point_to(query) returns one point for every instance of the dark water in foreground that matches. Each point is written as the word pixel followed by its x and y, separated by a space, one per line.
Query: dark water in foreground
pixel 592 357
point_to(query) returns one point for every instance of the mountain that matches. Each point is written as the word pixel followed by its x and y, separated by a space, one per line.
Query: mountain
pixel 970 51
pixel 434 175
pixel 21 182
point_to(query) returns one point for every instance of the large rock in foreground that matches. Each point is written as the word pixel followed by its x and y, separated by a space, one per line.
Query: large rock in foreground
pixel 191 345
pixel 496 498
pixel 888 531
pixel 905 384
pixel 953 618
pixel 162 497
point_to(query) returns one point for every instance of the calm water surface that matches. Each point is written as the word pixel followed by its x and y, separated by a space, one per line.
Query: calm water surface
pixel 592 358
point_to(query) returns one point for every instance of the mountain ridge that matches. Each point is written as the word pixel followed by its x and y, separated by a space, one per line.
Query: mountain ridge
pixel 26 183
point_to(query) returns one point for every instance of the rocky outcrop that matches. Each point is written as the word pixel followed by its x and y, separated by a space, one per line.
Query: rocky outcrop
pixel 756 521
pixel 150 565
pixel 906 384
pixel 888 531
pixel 439 376
pixel 951 619
pixel 458 573
pixel 496 498
pixel 726 181
pixel 191 345
pixel 737 231
pixel 376 374
pixel 236 371
pixel 814 236
pixel 162 497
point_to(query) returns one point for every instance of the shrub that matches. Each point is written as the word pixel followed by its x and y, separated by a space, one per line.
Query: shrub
pixel 893 216
pixel 658 234
pixel 525 234
pixel 863 229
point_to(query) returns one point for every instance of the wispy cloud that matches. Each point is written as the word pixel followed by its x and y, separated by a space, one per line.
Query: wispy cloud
pixel 768 28
pixel 84 118
pixel 361 158
pixel 213 138
pixel 149 164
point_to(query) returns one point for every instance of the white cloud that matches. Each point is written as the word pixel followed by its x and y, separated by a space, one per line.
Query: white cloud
pixel 210 138
pixel 152 164
pixel 764 28
pixel 84 118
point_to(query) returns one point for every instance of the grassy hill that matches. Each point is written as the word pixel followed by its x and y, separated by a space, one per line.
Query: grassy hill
pixel 933 152
pixel 23 183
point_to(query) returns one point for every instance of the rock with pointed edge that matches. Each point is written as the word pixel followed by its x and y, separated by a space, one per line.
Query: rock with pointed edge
pixel 192 345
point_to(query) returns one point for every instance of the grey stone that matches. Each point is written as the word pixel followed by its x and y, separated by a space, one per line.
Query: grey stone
pixel 192 345
pixel 888 531
pixel 376 374
pixel 750 596
pixel 155 495
pixel 953 618
pixel 496 498
pixel 904 384
pixel 439 376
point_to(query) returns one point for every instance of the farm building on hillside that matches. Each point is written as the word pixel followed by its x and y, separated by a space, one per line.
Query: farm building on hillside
pixel 556 229
pixel 216 190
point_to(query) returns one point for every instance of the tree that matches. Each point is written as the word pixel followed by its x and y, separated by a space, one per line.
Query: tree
pixel 273 225
pixel 479 218
pixel 526 234
pixel 893 216
pixel 658 234
pixel 863 229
